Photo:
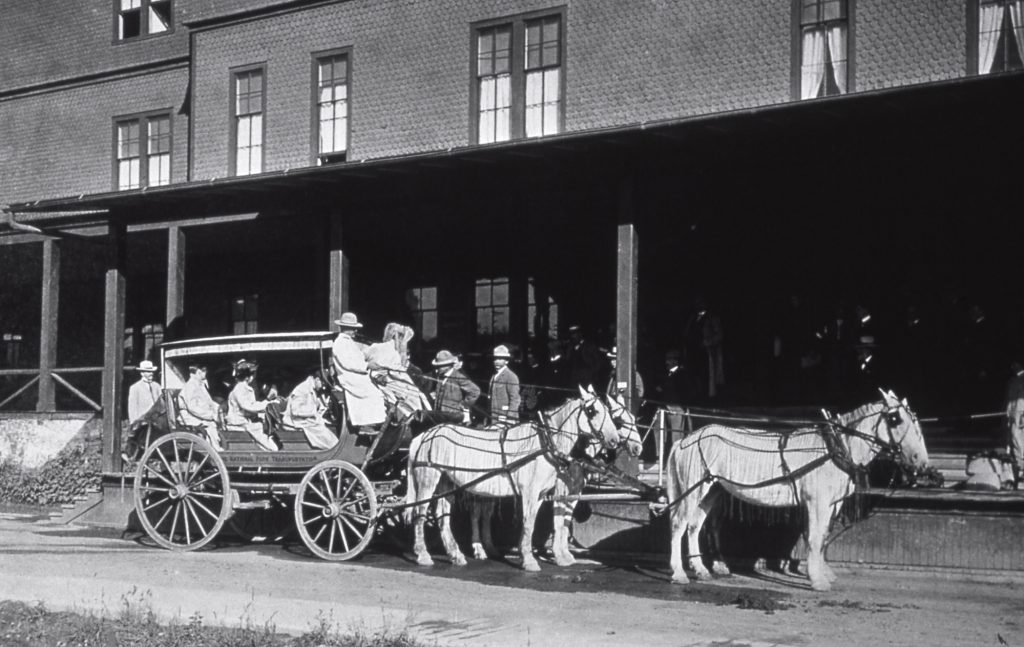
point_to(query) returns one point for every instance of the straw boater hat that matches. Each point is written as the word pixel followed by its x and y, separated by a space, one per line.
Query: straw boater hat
pixel 444 358
pixel 502 352
pixel 613 353
pixel 348 320
pixel 146 366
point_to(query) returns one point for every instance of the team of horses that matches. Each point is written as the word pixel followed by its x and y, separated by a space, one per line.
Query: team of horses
pixel 811 466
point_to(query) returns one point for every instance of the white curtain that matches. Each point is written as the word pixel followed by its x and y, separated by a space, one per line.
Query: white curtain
pixel 837 48
pixel 812 70
pixel 1017 17
pixel 988 36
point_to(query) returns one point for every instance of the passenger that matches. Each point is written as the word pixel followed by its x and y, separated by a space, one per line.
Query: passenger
pixel 388 362
pixel 364 401
pixel 195 406
pixel 455 393
pixel 305 410
pixel 245 412
pixel 504 390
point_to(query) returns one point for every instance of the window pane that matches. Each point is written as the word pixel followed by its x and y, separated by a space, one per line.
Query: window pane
pixel 503 91
pixel 533 45
pixel 502 50
pixel 534 88
pixel 485 134
pixel 502 128
pixel 500 321
pixel 256 132
pixel 159 170
pixel 326 130
pixel 483 293
pixel 487 94
pixel 341 135
pixel 500 293
pixel 485 53
pixel 159 17
pixel 251 307
pixel 130 24
pixel 483 321
pixel 130 4
pixel 428 298
pixel 429 326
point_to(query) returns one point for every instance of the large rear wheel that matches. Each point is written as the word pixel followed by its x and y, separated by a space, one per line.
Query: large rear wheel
pixel 181 492
pixel 336 510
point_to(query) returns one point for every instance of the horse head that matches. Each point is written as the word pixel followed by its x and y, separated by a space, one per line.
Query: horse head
pixel 599 422
pixel 625 422
pixel 900 428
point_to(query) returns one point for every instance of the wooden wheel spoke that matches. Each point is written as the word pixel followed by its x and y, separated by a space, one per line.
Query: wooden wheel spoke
pixel 203 507
pixel 313 488
pixel 149 507
pixel 182 469
pixel 163 517
pixel 184 518
pixel 330 545
pixel 311 520
pixel 312 505
pixel 209 495
pixel 159 476
pixel 150 488
pixel 355 515
pixel 348 490
pixel 319 534
pixel 170 470
pixel 327 484
pixel 195 517
pixel 357 531
pixel 174 521
pixel 349 504
pixel 198 470
pixel 205 480
pixel 341 531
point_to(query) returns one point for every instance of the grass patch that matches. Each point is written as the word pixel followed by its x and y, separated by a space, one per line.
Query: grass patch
pixel 24 625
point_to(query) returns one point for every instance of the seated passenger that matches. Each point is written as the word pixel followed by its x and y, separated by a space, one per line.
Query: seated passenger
pixel 195 406
pixel 388 362
pixel 364 401
pixel 305 410
pixel 245 412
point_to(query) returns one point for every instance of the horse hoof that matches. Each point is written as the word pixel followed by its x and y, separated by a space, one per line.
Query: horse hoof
pixel 702 575
pixel 459 560
pixel 479 552
pixel 531 567
pixel 565 561
pixel 822 586
pixel 680 578
pixel 719 568
pixel 424 560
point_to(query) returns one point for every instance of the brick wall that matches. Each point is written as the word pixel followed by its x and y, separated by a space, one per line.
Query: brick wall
pixel 61 143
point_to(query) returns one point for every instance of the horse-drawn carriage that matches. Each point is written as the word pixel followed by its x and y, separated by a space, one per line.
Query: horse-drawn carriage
pixel 186 489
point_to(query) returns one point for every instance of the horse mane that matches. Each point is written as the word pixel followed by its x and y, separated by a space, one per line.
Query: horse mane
pixel 859 414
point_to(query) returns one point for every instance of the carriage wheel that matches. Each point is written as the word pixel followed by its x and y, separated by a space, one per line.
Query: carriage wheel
pixel 181 492
pixel 336 510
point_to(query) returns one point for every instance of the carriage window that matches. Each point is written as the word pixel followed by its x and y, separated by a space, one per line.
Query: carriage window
pixel 822 48
pixel 423 304
pixel 492 309
pixel 245 314
pixel 12 349
pixel 1000 36
pixel 152 336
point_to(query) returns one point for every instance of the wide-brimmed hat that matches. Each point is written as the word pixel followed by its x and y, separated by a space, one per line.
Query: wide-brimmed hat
pixel 348 320
pixel 146 366
pixel 444 358
pixel 502 352
pixel 613 353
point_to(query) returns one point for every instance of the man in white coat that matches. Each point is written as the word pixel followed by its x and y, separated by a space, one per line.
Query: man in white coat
pixel 143 394
pixel 364 401
pixel 195 406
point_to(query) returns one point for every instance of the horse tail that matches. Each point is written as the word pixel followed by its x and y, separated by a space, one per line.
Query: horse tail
pixel 409 514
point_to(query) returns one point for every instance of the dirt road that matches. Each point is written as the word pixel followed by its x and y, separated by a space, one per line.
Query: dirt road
pixel 492 603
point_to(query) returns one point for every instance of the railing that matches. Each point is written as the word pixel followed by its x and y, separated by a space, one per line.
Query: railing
pixel 59 376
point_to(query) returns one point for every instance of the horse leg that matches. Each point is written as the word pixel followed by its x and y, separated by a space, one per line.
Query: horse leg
pixel 817 526
pixel 826 570
pixel 530 504
pixel 562 510
pixel 695 520
pixel 444 514
pixel 425 491
pixel 482 512
pixel 714 531
pixel 678 522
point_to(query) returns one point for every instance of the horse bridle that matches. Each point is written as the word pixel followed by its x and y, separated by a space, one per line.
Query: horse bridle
pixel 589 408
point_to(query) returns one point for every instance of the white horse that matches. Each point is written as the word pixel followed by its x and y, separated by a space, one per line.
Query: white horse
pixel 783 469
pixel 568 490
pixel 464 455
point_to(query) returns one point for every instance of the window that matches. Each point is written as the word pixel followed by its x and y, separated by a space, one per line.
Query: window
pixel 129 345
pixel 247 135
pixel 245 314
pixel 540 319
pixel 12 349
pixel 423 303
pixel 331 108
pixel 517 78
pixel 823 47
pixel 136 18
pixel 143 151
pixel 152 336
pixel 1000 35
pixel 492 310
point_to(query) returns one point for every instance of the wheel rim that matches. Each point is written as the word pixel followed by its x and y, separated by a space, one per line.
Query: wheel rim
pixel 335 510
pixel 181 492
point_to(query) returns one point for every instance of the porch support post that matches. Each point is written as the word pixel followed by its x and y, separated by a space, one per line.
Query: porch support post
pixel 338 284
pixel 48 325
pixel 175 283
pixel 626 297
pixel 113 347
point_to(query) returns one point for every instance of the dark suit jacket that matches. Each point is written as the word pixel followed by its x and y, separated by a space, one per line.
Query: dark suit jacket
pixel 455 393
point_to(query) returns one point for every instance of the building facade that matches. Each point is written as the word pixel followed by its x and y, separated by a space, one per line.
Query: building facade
pixel 480 168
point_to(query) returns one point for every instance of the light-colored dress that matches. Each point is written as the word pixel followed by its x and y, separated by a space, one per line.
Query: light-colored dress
pixel 304 411
pixel 244 415
pixel 364 401
pixel 399 389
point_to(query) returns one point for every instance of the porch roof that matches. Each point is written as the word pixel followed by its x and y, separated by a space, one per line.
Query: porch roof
pixel 917 104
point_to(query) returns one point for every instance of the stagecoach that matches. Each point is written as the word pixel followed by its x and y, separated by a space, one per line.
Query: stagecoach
pixel 185 490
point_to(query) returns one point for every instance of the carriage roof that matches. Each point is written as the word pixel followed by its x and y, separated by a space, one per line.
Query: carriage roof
pixel 313 340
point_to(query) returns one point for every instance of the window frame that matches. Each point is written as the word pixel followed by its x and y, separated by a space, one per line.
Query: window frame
pixel 248 298
pixel 973 24
pixel 314 130
pixel 417 313
pixel 796 49
pixel 518 71
pixel 144 32
pixel 142 119
pixel 233 74
pixel 492 308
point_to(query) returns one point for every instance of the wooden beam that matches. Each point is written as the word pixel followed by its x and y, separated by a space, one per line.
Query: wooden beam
pixel 113 347
pixel 626 310
pixel 174 318
pixel 47 400
pixel 338 284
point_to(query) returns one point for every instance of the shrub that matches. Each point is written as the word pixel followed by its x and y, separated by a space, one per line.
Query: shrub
pixel 71 473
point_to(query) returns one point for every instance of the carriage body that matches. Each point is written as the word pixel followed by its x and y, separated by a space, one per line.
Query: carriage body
pixel 186 489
